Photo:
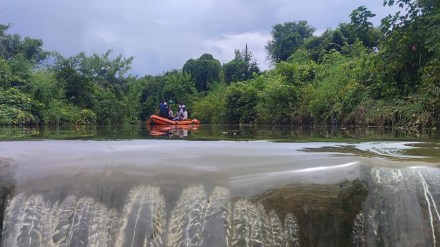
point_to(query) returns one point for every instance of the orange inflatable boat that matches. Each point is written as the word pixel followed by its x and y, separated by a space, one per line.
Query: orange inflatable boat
pixel 154 119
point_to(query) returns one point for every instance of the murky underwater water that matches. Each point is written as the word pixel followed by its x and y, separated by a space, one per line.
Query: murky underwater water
pixel 218 193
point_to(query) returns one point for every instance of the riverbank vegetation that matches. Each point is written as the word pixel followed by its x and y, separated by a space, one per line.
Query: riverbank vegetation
pixel 355 74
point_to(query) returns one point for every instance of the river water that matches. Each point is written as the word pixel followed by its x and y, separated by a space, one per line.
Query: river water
pixel 219 186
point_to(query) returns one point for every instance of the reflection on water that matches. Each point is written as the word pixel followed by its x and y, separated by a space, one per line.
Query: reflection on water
pixel 179 131
pixel 222 193
pixel 216 132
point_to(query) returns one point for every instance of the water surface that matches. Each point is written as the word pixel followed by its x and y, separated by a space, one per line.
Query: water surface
pixel 217 132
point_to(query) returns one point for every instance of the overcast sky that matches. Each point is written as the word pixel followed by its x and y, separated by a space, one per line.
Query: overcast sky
pixel 162 35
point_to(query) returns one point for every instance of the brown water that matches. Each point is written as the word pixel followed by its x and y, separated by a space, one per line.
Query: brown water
pixel 219 186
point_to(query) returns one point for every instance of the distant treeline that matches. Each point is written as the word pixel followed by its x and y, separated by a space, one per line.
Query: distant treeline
pixel 356 74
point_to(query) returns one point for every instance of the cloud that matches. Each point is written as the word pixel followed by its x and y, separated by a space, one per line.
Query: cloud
pixel 223 48
pixel 163 34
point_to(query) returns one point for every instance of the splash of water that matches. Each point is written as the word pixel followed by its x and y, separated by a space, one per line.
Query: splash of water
pixel 196 220
pixel 400 210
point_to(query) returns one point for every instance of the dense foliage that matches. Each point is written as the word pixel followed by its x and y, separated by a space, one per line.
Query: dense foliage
pixel 356 74
pixel 241 68
pixel 287 38
pixel 204 71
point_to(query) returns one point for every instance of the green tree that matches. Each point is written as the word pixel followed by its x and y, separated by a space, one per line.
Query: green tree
pixel 276 101
pixel 241 100
pixel 412 50
pixel 286 39
pixel 211 109
pixel 12 45
pixel 338 40
pixel 150 96
pixel 108 108
pixel 359 17
pixel 410 43
pixel 204 71
pixel 336 86
pixel 362 28
pixel 318 46
pixel 78 89
pixel 177 86
pixel 45 91
pixel 18 57
pixel 7 78
pixel 133 110
pixel 241 68
pixel 97 83
pixel 15 107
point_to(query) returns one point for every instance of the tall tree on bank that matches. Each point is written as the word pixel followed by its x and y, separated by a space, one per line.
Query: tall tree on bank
pixel 204 71
pixel 97 83
pixel 241 68
pixel 412 51
pixel 18 56
pixel 13 46
pixel 363 29
pixel 412 44
pixel 286 39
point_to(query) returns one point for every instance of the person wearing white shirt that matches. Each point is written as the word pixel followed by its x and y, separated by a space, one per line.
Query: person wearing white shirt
pixel 182 114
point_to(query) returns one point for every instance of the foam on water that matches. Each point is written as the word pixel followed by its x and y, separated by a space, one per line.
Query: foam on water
pixel 401 208
pixel 195 220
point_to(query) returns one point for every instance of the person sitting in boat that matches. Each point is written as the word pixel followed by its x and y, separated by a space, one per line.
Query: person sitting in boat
pixel 184 113
pixel 181 106
pixel 181 115
pixel 163 108
pixel 170 113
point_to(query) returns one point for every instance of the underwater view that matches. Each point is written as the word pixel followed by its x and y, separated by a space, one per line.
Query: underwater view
pixel 168 190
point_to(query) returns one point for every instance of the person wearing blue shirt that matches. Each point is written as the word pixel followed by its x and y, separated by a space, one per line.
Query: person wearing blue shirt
pixel 163 108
